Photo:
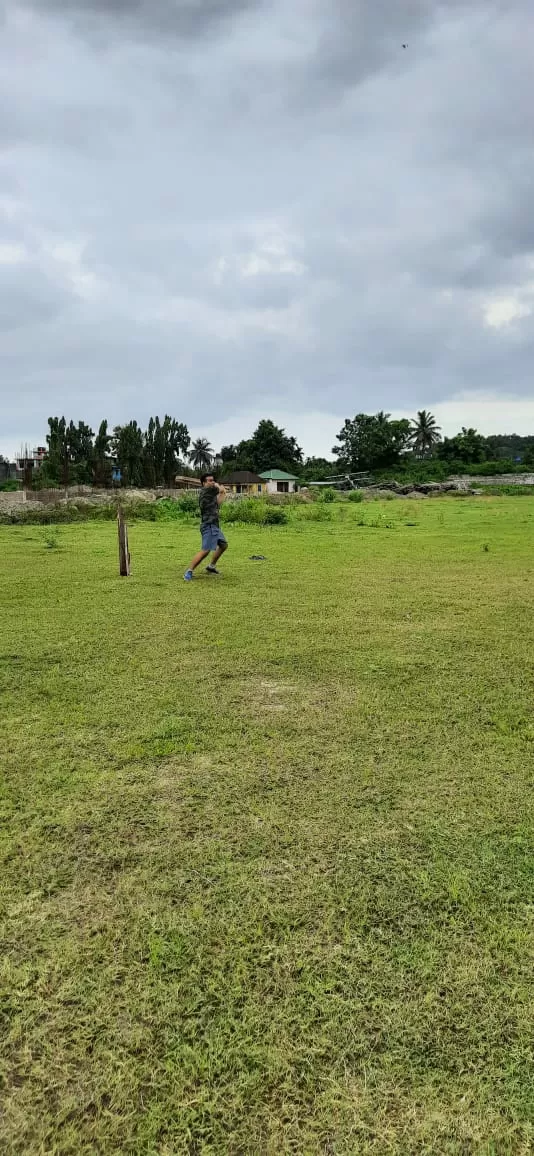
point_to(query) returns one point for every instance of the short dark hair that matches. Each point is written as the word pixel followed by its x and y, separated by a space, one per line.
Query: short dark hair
pixel 203 477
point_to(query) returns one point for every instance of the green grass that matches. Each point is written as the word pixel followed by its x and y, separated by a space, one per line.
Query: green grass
pixel 268 846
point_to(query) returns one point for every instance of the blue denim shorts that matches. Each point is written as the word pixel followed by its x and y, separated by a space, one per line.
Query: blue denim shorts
pixel 212 536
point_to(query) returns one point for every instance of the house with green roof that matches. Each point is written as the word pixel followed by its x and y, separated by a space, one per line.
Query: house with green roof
pixel 278 482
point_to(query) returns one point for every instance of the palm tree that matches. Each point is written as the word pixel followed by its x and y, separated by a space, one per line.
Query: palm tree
pixel 201 454
pixel 425 434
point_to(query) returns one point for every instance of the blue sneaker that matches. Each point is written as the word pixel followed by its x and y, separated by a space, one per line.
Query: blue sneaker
pixel 188 576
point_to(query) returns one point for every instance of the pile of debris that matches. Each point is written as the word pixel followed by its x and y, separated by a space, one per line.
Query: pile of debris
pixel 414 489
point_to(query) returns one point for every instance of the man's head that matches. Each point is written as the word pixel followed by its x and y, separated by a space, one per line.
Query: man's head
pixel 207 480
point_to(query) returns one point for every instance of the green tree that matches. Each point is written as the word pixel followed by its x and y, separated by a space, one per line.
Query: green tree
pixel 468 447
pixel 269 448
pixel 370 442
pixel 528 459
pixel 228 454
pixel 510 447
pixel 176 443
pixel 128 446
pixel 70 452
pixel 319 469
pixel 101 452
pixel 80 452
pixel 153 454
pixel 201 454
pixel 56 466
pixel 163 444
pixel 425 434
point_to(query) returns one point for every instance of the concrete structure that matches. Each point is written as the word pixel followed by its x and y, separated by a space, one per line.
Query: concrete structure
pixel 469 481
pixel 278 482
pixel 8 471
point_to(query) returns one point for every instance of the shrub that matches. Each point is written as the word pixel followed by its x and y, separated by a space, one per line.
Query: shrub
pixel 187 503
pixel 317 513
pixel 249 510
pixel 9 486
pixel 356 496
pixel 45 516
pixel 275 516
pixel 104 513
pixel 42 482
pixel 48 515
pixel 169 509
pixel 254 511
pixel 280 499
pixel 493 469
pixel 138 512
pixel 51 537
pixel 327 495
pixel 508 490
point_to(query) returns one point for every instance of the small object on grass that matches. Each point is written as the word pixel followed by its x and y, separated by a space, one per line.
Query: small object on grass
pixel 486 548
pixel 258 558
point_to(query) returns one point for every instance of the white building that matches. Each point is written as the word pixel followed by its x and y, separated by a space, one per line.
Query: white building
pixel 279 482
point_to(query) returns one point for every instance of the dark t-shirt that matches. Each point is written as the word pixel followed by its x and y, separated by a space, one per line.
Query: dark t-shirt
pixel 209 508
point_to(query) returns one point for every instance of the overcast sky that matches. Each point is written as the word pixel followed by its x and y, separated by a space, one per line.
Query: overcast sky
pixel 229 209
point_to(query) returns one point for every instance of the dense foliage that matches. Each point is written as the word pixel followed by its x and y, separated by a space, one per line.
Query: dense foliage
pixel 370 442
pixel 148 457
pixel 374 443
pixel 269 448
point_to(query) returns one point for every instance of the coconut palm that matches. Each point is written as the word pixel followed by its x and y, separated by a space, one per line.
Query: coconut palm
pixel 201 454
pixel 425 434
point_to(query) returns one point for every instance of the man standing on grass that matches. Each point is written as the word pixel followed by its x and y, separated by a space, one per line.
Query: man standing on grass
pixel 210 498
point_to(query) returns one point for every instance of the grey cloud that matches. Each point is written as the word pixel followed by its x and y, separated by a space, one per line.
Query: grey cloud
pixel 182 18
pixel 28 299
pixel 357 37
pixel 293 210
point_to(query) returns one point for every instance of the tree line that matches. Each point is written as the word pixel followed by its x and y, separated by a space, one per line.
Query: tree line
pixel 145 457
pixel 374 443
pixel 156 455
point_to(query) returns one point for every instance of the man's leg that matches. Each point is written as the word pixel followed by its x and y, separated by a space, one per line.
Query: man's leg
pixel 196 562
pixel 222 545
pixel 221 549
pixel 198 559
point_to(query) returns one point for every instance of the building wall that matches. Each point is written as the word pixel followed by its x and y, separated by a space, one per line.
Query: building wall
pixel 272 488
pixel 8 501
pixel 471 481
pixel 254 490
pixel 8 472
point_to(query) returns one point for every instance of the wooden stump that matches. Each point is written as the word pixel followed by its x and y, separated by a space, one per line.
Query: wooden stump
pixel 124 553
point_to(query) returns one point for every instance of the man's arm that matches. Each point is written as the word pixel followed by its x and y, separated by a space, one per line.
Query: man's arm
pixel 221 495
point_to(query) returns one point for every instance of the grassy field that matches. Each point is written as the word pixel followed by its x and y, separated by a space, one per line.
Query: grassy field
pixel 268 840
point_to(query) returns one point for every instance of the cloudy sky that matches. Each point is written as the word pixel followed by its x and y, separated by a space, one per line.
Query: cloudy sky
pixel 228 209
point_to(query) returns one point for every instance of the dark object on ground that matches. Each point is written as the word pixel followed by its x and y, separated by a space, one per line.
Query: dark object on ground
pixel 124 553
pixel 258 558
